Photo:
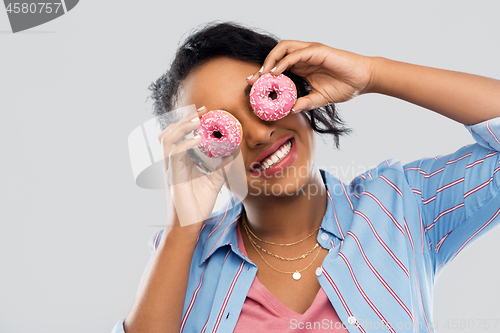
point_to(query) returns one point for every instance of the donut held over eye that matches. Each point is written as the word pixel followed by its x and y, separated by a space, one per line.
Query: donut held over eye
pixel 273 96
pixel 220 133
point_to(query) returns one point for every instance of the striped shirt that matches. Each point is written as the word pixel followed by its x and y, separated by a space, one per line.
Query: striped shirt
pixel 390 232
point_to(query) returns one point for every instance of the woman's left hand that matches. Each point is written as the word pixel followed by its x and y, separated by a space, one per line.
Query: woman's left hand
pixel 334 75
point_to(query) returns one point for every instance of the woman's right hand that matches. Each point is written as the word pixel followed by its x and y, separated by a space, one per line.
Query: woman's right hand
pixel 190 193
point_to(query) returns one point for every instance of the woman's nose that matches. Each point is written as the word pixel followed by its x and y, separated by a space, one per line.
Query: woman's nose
pixel 257 132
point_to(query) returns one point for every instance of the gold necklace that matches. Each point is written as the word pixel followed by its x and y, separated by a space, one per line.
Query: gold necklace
pixel 296 275
pixel 267 242
pixel 273 254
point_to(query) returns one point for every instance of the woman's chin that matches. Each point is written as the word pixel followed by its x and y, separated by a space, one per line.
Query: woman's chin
pixel 277 187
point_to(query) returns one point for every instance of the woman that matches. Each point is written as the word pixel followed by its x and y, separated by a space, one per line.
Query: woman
pixel 302 250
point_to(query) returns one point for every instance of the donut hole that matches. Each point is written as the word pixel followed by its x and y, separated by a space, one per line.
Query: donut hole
pixel 217 134
pixel 273 95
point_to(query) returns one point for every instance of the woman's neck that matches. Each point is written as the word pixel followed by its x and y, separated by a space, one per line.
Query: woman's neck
pixel 286 219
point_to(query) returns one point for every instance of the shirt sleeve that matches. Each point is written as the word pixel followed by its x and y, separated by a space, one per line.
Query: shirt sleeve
pixel 152 245
pixel 119 327
pixel 458 194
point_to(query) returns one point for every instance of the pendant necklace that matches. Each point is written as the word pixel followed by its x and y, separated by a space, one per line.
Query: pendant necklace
pixel 295 274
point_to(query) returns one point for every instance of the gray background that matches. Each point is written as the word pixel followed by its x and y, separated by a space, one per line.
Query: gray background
pixel 73 225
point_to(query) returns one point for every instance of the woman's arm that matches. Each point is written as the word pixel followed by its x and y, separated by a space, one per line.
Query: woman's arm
pixel 159 305
pixel 337 76
pixel 466 98
pixel 191 197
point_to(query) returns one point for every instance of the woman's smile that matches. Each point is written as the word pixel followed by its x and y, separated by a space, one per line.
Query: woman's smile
pixel 277 158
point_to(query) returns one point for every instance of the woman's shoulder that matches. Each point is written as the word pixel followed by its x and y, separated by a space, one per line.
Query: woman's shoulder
pixel 389 168
pixel 389 174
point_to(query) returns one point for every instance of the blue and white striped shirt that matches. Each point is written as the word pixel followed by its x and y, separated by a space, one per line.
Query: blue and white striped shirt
pixel 389 232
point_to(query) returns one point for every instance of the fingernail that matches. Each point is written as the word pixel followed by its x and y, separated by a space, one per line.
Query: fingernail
pixel 202 108
pixel 195 120
pixel 197 136
pixel 295 111
pixel 261 69
pixel 274 68
pixel 251 76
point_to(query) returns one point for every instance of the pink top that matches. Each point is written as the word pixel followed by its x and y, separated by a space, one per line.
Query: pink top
pixel 263 312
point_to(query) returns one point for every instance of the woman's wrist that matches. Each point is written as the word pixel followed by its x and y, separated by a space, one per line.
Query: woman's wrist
pixel 184 236
pixel 376 65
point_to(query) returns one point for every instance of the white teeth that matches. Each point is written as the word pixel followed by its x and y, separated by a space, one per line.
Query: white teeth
pixel 275 157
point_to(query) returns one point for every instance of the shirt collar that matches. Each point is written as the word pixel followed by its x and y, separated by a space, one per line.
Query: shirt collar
pixel 223 230
pixel 340 209
pixel 336 220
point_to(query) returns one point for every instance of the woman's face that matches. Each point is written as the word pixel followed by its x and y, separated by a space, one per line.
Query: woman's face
pixel 220 85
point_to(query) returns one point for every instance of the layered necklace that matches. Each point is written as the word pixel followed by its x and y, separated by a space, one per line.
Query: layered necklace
pixel 295 274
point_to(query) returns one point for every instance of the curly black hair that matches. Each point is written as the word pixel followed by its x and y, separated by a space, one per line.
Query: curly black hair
pixel 233 40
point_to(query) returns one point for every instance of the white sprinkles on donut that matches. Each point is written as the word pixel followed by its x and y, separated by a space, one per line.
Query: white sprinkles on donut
pixel 220 134
pixel 263 105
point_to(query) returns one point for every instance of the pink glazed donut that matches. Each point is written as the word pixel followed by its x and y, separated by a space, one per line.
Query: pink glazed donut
pixel 261 96
pixel 220 134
